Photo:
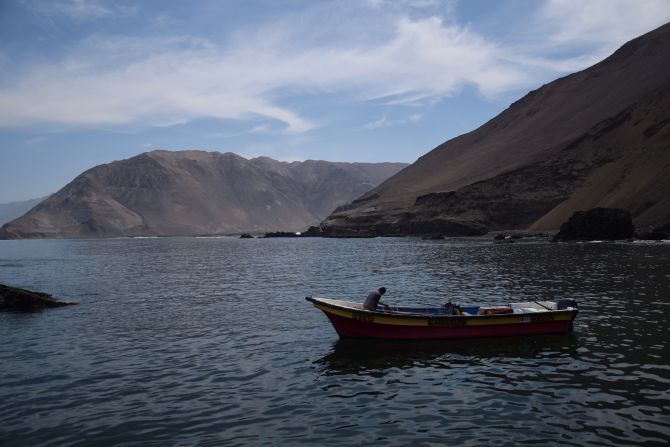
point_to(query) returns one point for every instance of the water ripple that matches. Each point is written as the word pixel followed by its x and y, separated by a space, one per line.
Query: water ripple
pixel 209 342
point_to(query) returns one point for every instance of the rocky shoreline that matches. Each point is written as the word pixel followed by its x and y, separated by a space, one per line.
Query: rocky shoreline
pixel 595 224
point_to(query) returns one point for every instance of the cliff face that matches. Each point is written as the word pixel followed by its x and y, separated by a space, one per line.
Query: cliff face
pixel 599 137
pixel 192 192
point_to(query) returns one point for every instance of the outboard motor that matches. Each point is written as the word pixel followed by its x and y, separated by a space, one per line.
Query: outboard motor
pixel 565 303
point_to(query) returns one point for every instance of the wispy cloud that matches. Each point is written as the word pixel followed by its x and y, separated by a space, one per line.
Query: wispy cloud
pixel 600 22
pixel 35 140
pixel 262 128
pixel 417 4
pixel 80 10
pixel 384 122
pixel 254 74
pixel 379 123
pixel 162 81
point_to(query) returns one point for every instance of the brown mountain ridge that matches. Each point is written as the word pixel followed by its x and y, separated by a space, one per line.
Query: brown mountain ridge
pixel 164 193
pixel 596 138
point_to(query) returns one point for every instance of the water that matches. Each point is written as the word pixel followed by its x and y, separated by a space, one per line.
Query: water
pixel 187 341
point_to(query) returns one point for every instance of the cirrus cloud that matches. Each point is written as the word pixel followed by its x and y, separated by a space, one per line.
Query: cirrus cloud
pixel 260 74
pixel 163 81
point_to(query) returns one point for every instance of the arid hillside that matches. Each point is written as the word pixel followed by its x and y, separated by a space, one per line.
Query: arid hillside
pixel 599 137
pixel 165 193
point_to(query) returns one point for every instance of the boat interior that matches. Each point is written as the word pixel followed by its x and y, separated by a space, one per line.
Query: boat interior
pixel 466 310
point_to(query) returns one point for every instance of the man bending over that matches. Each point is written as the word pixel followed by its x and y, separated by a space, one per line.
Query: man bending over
pixel 373 299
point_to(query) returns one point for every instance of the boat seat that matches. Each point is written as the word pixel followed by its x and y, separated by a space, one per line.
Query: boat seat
pixel 527 310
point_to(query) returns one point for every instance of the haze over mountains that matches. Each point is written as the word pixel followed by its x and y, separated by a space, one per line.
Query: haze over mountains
pixel 12 210
pixel 596 138
pixel 165 193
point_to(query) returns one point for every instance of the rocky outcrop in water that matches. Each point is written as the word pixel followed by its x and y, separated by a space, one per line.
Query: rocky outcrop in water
pixel 14 298
pixel 597 224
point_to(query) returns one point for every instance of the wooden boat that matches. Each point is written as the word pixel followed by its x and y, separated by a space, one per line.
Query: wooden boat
pixel 350 319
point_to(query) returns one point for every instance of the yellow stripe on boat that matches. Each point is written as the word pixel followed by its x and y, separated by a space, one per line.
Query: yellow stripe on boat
pixel 438 320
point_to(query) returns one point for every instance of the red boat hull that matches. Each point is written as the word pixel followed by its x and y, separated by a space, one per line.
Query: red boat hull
pixel 348 327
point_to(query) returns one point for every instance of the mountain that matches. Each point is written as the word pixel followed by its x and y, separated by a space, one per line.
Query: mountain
pixel 165 193
pixel 12 210
pixel 596 138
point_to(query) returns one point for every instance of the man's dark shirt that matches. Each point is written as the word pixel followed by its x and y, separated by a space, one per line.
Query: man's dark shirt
pixel 372 300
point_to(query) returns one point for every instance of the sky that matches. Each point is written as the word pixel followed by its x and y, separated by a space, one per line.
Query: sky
pixel 86 82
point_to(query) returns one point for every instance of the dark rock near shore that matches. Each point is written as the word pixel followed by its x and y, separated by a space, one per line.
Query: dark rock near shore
pixel 313 232
pixel 282 234
pixel 429 225
pixel 14 298
pixel 434 237
pixel 502 238
pixel 655 233
pixel 517 236
pixel 597 224
pixel 246 236
pixel 343 232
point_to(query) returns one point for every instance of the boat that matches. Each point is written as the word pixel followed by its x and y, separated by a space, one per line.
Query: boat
pixel 350 319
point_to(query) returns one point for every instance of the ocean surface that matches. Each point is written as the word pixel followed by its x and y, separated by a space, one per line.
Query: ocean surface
pixel 210 342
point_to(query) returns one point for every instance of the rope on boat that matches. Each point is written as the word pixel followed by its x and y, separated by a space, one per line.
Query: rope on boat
pixel 548 308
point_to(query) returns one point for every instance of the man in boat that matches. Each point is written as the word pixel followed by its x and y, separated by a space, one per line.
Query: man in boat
pixel 373 299
pixel 449 308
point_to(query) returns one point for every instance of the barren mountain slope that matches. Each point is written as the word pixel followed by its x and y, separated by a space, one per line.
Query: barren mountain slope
pixel 622 162
pixel 194 192
pixel 525 143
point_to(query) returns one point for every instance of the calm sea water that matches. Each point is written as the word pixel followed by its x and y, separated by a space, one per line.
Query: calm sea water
pixel 187 341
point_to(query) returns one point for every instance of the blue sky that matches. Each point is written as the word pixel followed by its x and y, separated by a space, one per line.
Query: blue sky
pixel 85 82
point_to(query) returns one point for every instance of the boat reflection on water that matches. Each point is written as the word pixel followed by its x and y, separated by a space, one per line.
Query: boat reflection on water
pixel 355 356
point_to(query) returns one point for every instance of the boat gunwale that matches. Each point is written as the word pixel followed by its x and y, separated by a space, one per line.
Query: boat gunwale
pixel 416 316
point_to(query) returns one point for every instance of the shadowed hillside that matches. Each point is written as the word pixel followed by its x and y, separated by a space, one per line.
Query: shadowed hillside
pixel 599 137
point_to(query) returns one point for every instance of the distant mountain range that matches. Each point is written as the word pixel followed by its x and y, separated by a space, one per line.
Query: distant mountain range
pixel 165 193
pixel 596 138
pixel 12 210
